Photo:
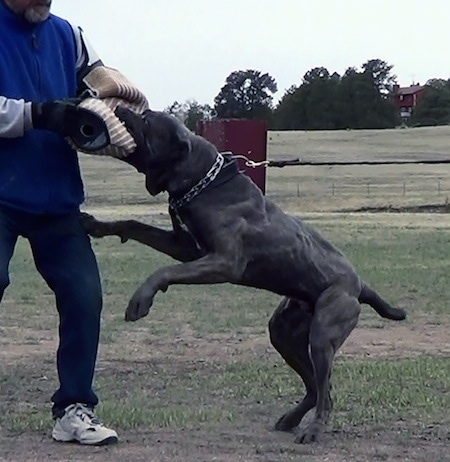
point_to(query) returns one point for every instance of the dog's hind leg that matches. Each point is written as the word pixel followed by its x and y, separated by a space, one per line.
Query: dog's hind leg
pixel 289 333
pixel 335 316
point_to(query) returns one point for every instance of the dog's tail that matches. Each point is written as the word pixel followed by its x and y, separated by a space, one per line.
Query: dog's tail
pixel 370 297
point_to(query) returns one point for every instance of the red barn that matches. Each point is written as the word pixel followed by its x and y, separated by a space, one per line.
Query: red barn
pixel 406 98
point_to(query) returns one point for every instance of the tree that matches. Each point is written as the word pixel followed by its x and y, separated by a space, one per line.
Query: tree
pixel 197 112
pixel 246 94
pixel 176 109
pixel 318 93
pixel 287 115
pixel 438 84
pixel 315 74
pixel 381 74
pixel 362 104
pixel 433 106
pixel 358 99
pixel 190 112
pixel 310 106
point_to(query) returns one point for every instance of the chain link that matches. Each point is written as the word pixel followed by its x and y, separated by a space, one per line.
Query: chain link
pixel 210 176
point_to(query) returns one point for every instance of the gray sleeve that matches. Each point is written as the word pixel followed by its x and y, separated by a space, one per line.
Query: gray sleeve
pixel 15 117
pixel 86 55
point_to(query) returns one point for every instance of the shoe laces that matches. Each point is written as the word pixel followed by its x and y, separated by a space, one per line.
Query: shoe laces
pixel 86 414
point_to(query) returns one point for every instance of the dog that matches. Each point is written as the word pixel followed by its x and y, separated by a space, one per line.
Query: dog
pixel 225 230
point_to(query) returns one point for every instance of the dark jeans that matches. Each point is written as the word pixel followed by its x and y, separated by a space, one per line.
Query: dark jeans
pixel 63 256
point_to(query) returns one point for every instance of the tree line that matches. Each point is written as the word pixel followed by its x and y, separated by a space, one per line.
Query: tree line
pixel 360 98
pixel 433 107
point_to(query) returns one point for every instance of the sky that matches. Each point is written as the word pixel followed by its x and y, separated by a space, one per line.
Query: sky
pixel 180 50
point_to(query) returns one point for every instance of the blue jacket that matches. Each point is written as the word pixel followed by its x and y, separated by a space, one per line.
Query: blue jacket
pixel 39 172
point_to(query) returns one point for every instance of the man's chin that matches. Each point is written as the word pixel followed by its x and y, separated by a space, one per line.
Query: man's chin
pixel 37 14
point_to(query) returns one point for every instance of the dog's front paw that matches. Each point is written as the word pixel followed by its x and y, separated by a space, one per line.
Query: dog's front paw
pixel 96 228
pixel 140 303
pixel 92 226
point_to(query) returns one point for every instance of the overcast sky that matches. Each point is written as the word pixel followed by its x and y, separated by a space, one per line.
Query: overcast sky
pixel 185 49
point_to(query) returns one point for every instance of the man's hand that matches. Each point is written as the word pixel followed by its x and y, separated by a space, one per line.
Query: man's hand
pixel 86 129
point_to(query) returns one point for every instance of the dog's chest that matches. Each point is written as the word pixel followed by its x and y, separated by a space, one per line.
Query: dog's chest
pixel 197 228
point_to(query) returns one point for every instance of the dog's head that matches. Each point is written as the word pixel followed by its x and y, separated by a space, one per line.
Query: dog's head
pixel 162 142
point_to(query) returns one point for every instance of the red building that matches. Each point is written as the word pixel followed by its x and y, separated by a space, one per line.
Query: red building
pixel 406 98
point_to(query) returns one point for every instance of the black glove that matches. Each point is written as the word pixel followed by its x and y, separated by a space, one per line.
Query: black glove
pixel 86 129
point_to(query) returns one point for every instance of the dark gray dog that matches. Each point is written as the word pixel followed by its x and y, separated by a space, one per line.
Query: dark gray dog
pixel 225 230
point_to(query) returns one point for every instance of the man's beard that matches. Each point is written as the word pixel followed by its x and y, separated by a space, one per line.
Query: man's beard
pixel 37 14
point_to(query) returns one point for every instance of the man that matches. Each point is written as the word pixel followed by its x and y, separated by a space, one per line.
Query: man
pixel 42 59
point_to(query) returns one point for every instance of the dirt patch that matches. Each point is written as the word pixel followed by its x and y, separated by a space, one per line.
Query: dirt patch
pixel 396 340
pixel 22 344
pixel 390 339
pixel 426 208
pixel 251 444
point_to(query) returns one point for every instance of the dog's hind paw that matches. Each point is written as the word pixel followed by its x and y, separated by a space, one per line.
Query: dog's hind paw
pixel 312 434
pixel 285 424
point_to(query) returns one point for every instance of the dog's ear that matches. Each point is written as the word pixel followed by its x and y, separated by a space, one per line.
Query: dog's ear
pixel 184 147
pixel 182 141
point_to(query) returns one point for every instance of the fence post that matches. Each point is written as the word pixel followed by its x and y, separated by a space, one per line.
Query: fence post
pixel 247 137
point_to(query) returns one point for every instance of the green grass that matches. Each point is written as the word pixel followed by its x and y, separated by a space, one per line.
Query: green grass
pixel 367 393
pixel 383 391
pixel 408 265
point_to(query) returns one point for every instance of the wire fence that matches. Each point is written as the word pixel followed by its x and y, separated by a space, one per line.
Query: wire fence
pixel 370 189
pixel 339 188
pixel 343 188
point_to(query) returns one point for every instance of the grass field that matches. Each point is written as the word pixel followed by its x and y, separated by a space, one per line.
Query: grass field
pixel 197 379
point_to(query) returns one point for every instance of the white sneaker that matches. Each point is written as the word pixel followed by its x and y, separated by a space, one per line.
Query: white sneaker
pixel 80 424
